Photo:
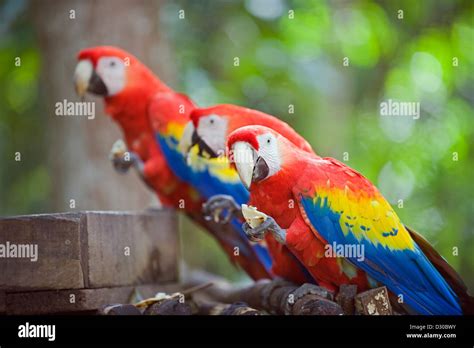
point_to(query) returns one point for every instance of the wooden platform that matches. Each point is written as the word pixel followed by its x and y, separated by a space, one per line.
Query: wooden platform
pixel 84 260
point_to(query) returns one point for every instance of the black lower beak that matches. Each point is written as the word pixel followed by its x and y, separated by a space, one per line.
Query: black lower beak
pixel 260 170
pixel 97 86
pixel 195 139
pixel 202 146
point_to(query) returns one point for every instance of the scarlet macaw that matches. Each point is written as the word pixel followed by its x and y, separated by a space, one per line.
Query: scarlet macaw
pixel 208 129
pixel 147 110
pixel 212 171
pixel 336 205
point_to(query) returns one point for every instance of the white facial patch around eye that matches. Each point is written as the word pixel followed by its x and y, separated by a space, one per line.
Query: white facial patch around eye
pixel 268 150
pixel 213 129
pixel 112 72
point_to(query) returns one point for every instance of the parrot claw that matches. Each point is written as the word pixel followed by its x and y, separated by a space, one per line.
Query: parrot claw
pixel 119 157
pixel 220 208
pixel 121 166
pixel 123 160
pixel 118 149
pixel 256 234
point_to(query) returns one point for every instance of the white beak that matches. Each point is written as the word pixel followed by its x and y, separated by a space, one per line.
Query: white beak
pixel 244 159
pixel 82 76
pixel 186 139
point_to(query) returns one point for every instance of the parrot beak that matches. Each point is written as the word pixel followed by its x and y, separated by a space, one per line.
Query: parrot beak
pixel 82 75
pixel 202 146
pixel 250 166
pixel 260 170
pixel 185 143
pixel 87 80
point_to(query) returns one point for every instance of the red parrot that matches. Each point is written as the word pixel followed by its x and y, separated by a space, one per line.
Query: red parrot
pixel 143 105
pixel 340 226
pixel 209 128
pixel 212 125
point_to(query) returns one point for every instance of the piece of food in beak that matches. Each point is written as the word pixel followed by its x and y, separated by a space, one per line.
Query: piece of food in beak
pixel 253 217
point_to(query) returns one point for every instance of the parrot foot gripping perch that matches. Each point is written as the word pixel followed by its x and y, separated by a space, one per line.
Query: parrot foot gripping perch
pixel 257 233
pixel 221 209
pixel 122 159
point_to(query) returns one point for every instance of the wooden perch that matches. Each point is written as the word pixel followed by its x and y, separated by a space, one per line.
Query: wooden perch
pixel 278 297
pixel 262 297
pixel 119 309
pixel 79 261
pixel 87 260
pixel 175 307
pixel 345 298
pixel 238 308
pixel 265 296
pixel 83 250
pixel 172 306
pixel 373 302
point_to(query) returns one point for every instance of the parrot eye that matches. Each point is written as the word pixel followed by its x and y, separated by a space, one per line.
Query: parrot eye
pixel 211 121
pixel 269 141
pixel 112 63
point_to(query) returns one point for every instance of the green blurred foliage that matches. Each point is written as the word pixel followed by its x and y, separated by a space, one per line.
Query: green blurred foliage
pixel 25 181
pixel 299 61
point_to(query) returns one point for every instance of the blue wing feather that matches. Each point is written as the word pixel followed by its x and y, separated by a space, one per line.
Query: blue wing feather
pixel 209 185
pixel 406 272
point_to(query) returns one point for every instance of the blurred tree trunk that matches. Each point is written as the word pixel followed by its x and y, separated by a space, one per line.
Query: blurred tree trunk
pixel 78 148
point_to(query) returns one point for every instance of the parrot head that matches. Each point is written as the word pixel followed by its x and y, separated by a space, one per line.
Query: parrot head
pixel 125 83
pixel 257 152
pixel 114 74
pixel 100 71
pixel 209 131
pixel 210 127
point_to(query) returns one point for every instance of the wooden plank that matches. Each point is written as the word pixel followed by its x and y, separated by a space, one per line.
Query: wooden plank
pixel 74 300
pixel 346 298
pixel 373 302
pixel 89 249
pixel 58 263
pixel 3 302
pixel 128 249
